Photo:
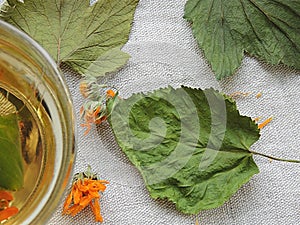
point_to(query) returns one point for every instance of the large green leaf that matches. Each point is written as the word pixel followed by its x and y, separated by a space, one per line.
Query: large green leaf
pixel 191 146
pixel 76 33
pixel 11 166
pixel 267 29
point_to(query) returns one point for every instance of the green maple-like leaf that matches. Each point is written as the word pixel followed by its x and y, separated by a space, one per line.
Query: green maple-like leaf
pixel 267 29
pixel 11 166
pixel 191 146
pixel 87 38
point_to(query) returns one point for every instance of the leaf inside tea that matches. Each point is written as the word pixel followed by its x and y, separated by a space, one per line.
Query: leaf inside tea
pixel 11 166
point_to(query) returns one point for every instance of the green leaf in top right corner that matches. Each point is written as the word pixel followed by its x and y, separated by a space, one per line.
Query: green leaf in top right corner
pixel 267 29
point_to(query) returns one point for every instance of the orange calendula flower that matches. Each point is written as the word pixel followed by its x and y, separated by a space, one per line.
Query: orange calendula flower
pixel 94 112
pixel 91 116
pixel 86 190
pixel 89 86
pixel 6 210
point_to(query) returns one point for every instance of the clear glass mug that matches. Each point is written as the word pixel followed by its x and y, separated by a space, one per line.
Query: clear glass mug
pixel 31 80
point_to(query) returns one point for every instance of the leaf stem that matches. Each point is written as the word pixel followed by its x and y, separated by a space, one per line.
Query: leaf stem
pixel 275 158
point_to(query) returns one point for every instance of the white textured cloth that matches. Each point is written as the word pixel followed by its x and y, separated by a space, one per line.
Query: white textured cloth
pixel 164 52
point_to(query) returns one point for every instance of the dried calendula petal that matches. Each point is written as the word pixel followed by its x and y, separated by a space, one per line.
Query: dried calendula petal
pixel 6 195
pixel 256 119
pixel 84 89
pixel 6 211
pixel 239 94
pixel 86 190
pixel 96 210
pixel 265 123
pixel 258 95
pixel 110 93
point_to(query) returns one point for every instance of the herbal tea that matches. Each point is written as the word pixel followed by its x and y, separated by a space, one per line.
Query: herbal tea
pixel 34 127
pixel 42 128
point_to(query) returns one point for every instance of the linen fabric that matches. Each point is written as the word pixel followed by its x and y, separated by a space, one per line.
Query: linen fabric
pixel 164 52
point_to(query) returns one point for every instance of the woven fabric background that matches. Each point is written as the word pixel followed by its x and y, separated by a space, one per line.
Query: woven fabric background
pixel 164 52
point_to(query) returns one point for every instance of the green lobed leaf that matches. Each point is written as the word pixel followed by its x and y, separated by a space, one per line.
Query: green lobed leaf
pixel 87 38
pixel 11 166
pixel 190 145
pixel 267 29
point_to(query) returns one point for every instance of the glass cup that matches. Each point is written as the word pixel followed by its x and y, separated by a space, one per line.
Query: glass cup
pixel 30 79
